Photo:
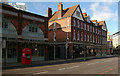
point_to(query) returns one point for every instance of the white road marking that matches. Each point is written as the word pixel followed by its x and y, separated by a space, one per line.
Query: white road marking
pixel 93 63
pixel 69 67
pixel 42 72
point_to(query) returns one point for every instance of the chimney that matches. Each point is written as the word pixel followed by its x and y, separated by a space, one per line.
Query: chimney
pixel 49 12
pixel 60 8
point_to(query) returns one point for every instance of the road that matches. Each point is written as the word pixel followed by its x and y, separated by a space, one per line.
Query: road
pixel 95 66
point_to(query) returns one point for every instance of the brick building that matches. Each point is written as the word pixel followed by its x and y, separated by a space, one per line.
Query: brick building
pixel 72 34
pixel 21 29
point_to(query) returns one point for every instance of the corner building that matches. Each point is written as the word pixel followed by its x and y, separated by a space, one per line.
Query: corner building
pixel 21 29
pixel 72 34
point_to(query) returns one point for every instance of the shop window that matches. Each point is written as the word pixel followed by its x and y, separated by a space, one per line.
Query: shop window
pixel 5 25
pixel 11 53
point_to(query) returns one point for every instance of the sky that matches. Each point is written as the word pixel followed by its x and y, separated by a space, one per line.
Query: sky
pixel 107 11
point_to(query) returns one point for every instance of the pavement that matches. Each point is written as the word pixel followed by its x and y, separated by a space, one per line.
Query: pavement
pixel 94 67
pixel 52 62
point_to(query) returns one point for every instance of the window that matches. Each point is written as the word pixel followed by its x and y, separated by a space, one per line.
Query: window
pixel 88 38
pixel 67 35
pixel 81 25
pixel 96 39
pixel 78 36
pixel 29 29
pixel 54 25
pixel 74 35
pixel 100 31
pixel 93 38
pixel 78 23
pixel 67 22
pixel 85 26
pixel 32 29
pixel 54 36
pixel 88 27
pixel 85 37
pixel 82 36
pixel 96 30
pixel 78 13
pixel 35 29
pixel 5 25
pixel 74 22
pixel 93 29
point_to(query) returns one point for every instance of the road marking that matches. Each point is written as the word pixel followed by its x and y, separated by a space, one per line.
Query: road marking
pixel 42 72
pixel 69 67
pixel 62 69
pixel 93 63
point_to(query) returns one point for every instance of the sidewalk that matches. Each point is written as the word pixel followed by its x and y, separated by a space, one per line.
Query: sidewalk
pixel 41 63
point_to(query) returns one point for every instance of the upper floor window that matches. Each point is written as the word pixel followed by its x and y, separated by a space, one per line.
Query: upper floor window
pixel 85 37
pixel 54 36
pixel 93 29
pixel 81 25
pixel 78 36
pixel 85 26
pixel 78 13
pixel 33 29
pixel 88 27
pixel 88 38
pixel 67 22
pixel 96 30
pixel 67 35
pixel 74 35
pixel 5 25
pixel 93 39
pixel 74 22
pixel 78 23
pixel 82 36
pixel 54 25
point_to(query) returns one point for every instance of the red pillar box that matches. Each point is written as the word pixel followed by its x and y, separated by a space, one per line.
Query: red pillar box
pixel 26 56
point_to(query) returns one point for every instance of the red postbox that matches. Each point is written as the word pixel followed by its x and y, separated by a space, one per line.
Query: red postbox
pixel 26 56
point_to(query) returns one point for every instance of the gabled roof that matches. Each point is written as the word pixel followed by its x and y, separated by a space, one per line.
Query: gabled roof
pixel 101 23
pixel 67 12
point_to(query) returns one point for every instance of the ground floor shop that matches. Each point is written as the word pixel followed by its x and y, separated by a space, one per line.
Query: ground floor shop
pixel 13 51
pixel 69 50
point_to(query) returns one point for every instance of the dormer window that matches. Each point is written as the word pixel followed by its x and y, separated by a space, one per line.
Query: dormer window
pixel 78 13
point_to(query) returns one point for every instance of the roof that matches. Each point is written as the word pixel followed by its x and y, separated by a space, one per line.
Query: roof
pixel 86 16
pixel 101 23
pixel 93 20
pixel 68 12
